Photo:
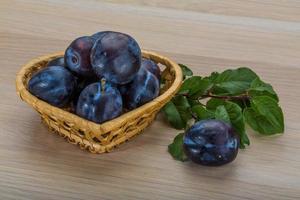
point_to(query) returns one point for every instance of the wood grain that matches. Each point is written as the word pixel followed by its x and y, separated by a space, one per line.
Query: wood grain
pixel 206 35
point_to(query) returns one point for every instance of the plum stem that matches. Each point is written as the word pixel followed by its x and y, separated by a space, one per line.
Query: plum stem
pixel 242 97
pixel 103 82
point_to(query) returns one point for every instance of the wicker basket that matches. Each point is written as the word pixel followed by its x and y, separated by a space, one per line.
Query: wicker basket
pixel 99 138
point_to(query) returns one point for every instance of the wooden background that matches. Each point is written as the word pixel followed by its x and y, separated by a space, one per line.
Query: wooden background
pixel 207 35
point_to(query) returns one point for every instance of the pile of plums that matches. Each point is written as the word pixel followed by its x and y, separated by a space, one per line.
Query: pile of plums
pixel 100 77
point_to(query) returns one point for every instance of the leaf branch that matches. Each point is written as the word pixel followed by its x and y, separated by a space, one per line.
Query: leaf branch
pixel 243 97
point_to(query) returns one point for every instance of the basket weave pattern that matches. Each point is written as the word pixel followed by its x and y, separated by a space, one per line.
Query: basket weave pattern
pixel 99 138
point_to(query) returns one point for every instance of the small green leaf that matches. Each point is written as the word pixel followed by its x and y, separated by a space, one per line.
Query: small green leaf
pixel 213 76
pixel 242 103
pixel 184 108
pixel 181 101
pixel 222 114
pixel 236 117
pixel 193 102
pixel 244 140
pixel 195 87
pixel 260 88
pixel 173 116
pixel 213 103
pixel 190 85
pixel 202 113
pixel 233 81
pixel 237 120
pixel 185 70
pixel 203 86
pixel 176 148
pixel 265 116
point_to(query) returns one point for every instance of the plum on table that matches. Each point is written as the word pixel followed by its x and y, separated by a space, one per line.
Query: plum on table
pixel 211 142
pixel 116 57
pixel 54 84
pixel 99 102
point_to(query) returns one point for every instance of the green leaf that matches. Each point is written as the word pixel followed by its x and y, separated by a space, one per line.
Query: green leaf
pixel 190 85
pixel 203 86
pixel 213 76
pixel 185 70
pixel 233 81
pixel 213 103
pixel 260 88
pixel 184 108
pixel 193 102
pixel 173 116
pixel 237 120
pixel 195 86
pixel 202 113
pixel 222 114
pixel 236 117
pixel 265 116
pixel 242 103
pixel 176 148
pixel 244 139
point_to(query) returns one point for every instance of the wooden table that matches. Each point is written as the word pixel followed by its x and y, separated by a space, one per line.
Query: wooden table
pixel 207 36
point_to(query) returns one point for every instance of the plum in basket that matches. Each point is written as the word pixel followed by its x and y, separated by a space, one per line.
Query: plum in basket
pixel 54 84
pixel 116 57
pixel 151 67
pixel 99 102
pixel 77 56
pixel 144 88
pixel 60 61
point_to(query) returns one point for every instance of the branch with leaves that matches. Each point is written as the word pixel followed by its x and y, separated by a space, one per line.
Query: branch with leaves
pixel 236 96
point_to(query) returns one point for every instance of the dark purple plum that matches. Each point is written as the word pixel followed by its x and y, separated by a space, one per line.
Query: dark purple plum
pixel 77 56
pixel 143 88
pixel 116 57
pixel 123 88
pixel 211 142
pixel 99 104
pixel 98 35
pixel 151 67
pixel 54 84
pixel 82 83
pixel 60 61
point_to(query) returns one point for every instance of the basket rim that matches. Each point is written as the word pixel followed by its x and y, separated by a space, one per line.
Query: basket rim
pixel 25 95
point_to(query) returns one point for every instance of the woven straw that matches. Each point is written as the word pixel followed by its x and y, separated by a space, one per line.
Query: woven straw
pixel 99 138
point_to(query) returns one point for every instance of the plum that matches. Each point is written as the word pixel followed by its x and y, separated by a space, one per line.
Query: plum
pixel 116 57
pixel 81 84
pixel 211 142
pixel 123 89
pixel 59 61
pixel 77 56
pixel 99 102
pixel 98 35
pixel 54 84
pixel 141 90
pixel 151 67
